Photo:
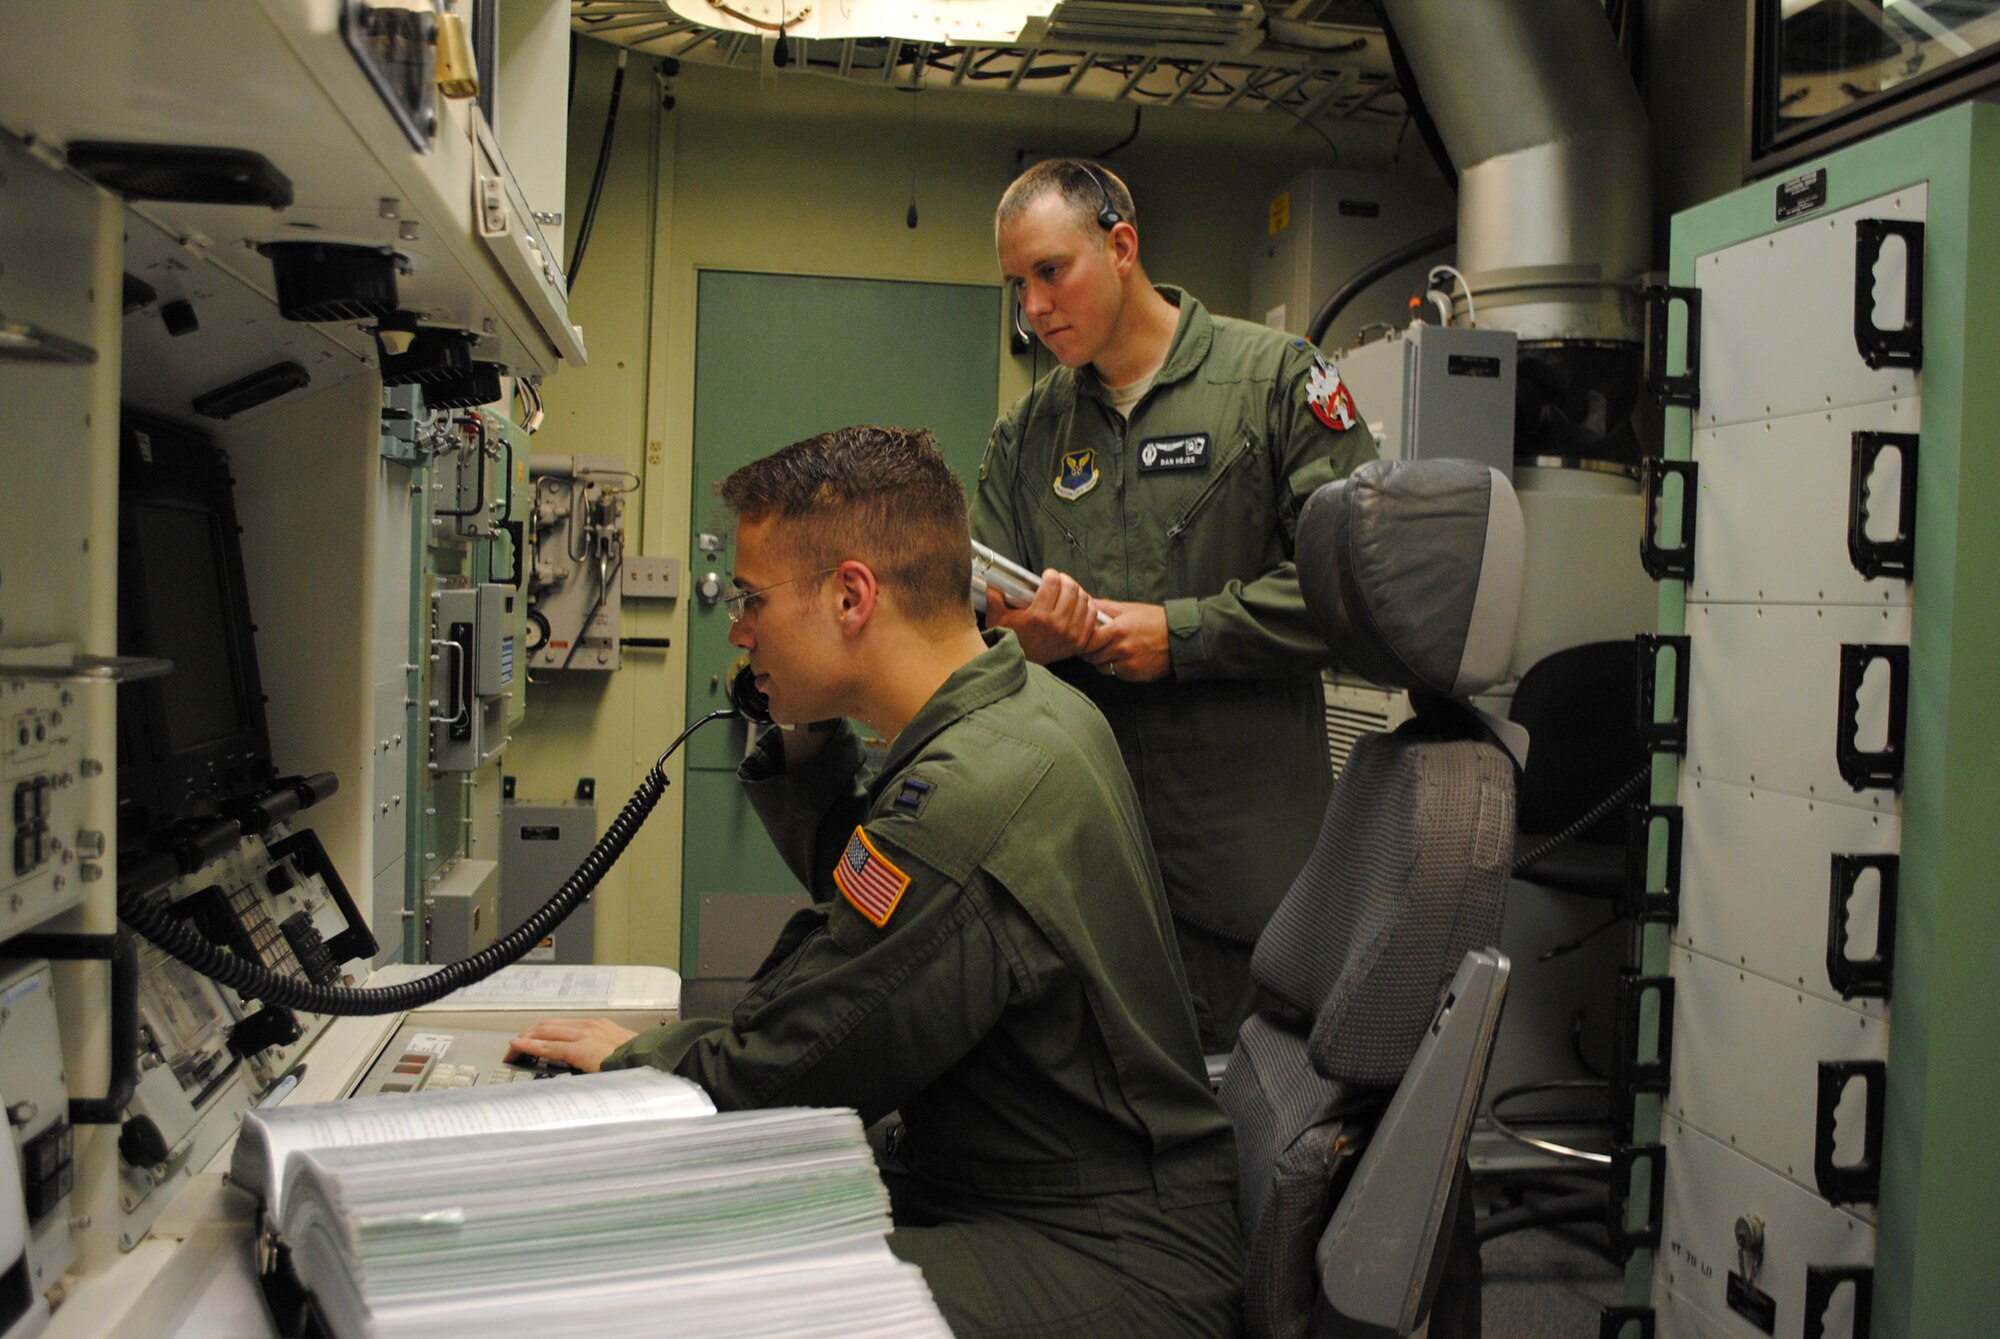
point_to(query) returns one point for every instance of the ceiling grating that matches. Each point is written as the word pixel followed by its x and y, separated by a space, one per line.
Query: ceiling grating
pixel 1311 60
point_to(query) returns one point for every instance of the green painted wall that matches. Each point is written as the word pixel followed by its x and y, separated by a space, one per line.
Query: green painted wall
pixel 805 175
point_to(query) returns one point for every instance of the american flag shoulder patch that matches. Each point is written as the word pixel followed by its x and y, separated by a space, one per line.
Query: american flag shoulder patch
pixel 869 880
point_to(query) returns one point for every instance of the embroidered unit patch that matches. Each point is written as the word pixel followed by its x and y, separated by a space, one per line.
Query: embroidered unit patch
pixel 1331 402
pixel 1079 474
pixel 871 884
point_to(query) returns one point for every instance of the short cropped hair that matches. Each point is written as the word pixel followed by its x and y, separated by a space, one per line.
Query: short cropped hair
pixel 883 496
pixel 1084 188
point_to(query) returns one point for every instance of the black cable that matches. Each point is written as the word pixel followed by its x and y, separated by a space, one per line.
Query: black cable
pixel 1582 1207
pixel 1331 146
pixel 254 981
pixel 1572 945
pixel 1413 98
pixel 1584 824
pixel 1137 112
pixel 1583 1062
pixel 589 219
pixel 1323 319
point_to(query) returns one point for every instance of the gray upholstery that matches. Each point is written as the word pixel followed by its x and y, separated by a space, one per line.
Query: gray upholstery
pixel 1409 872
pixel 1413 571
pixel 1290 1123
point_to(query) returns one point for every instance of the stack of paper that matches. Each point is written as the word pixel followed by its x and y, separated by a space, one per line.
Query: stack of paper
pixel 268 1138
pixel 638 1222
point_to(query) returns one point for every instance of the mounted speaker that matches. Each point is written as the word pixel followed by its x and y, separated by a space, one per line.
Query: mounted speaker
pixel 187 173
pixel 328 281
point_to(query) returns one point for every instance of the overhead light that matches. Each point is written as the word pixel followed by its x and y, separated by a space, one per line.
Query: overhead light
pixel 260 387
pixel 997 22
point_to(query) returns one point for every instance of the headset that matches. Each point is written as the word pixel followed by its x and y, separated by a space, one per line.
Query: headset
pixel 1107 217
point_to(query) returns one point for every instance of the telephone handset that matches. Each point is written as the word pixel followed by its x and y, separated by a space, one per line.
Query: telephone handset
pixel 750 704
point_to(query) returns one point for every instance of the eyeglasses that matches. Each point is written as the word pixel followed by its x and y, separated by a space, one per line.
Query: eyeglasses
pixel 742 604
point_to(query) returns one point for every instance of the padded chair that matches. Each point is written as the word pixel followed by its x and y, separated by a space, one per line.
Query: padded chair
pixel 1352 1103
pixel 1581 707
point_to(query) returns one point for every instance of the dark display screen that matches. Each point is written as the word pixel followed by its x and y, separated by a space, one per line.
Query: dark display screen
pixel 184 584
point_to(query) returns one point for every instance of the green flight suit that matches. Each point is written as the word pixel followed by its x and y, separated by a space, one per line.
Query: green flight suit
pixel 1021 1005
pixel 1193 504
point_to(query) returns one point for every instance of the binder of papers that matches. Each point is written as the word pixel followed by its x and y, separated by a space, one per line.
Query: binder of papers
pixel 599 1205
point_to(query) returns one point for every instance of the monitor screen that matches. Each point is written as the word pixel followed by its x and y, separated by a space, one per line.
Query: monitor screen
pixel 194 741
pixel 184 583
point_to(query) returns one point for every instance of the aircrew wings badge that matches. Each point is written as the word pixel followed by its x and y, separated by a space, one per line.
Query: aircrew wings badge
pixel 870 883
pixel 1327 395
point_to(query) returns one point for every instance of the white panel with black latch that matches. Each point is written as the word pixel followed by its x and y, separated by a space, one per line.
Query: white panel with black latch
pixel 1778 331
pixel 1779 518
pixel 1741 1245
pixel 1749 1054
pixel 1759 876
pixel 1767 707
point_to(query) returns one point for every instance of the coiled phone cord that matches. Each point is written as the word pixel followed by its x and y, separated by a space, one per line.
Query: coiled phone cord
pixel 254 981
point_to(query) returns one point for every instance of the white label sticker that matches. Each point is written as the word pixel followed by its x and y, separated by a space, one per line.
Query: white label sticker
pixel 429 1043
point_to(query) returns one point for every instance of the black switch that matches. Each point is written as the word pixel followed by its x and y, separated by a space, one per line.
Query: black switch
pixel 141 1144
pixel 47 1170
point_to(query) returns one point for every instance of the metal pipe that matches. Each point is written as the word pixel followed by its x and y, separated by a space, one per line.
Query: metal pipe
pixel 1554 158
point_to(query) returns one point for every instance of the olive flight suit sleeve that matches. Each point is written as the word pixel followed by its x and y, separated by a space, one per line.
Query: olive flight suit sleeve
pixel 859 1015
pixel 993 521
pixel 808 810
pixel 1259 628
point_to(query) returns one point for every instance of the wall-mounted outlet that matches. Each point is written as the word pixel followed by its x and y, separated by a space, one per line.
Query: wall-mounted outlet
pixel 650 578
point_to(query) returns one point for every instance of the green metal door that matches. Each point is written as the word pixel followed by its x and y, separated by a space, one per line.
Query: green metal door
pixel 779 358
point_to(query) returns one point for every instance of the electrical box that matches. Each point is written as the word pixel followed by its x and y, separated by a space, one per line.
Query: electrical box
pixel 1430 392
pixel 40 803
pixel 651 578
pixel 1326 225
pixel 468 479
pixel 540 846
pixel 36 1101
pixel 474 664
pixel 578 555
pixel 462 911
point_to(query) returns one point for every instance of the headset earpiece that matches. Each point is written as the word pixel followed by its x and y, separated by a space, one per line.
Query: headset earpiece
pixel 1107 217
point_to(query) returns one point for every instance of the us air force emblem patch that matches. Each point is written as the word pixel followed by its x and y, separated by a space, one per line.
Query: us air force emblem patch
pixel 1079 474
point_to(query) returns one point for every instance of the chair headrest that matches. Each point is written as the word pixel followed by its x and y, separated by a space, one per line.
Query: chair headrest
pixel 1412 570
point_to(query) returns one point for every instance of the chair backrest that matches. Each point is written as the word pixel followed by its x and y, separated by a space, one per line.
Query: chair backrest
pixel 1413 572
pixel 1581 704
